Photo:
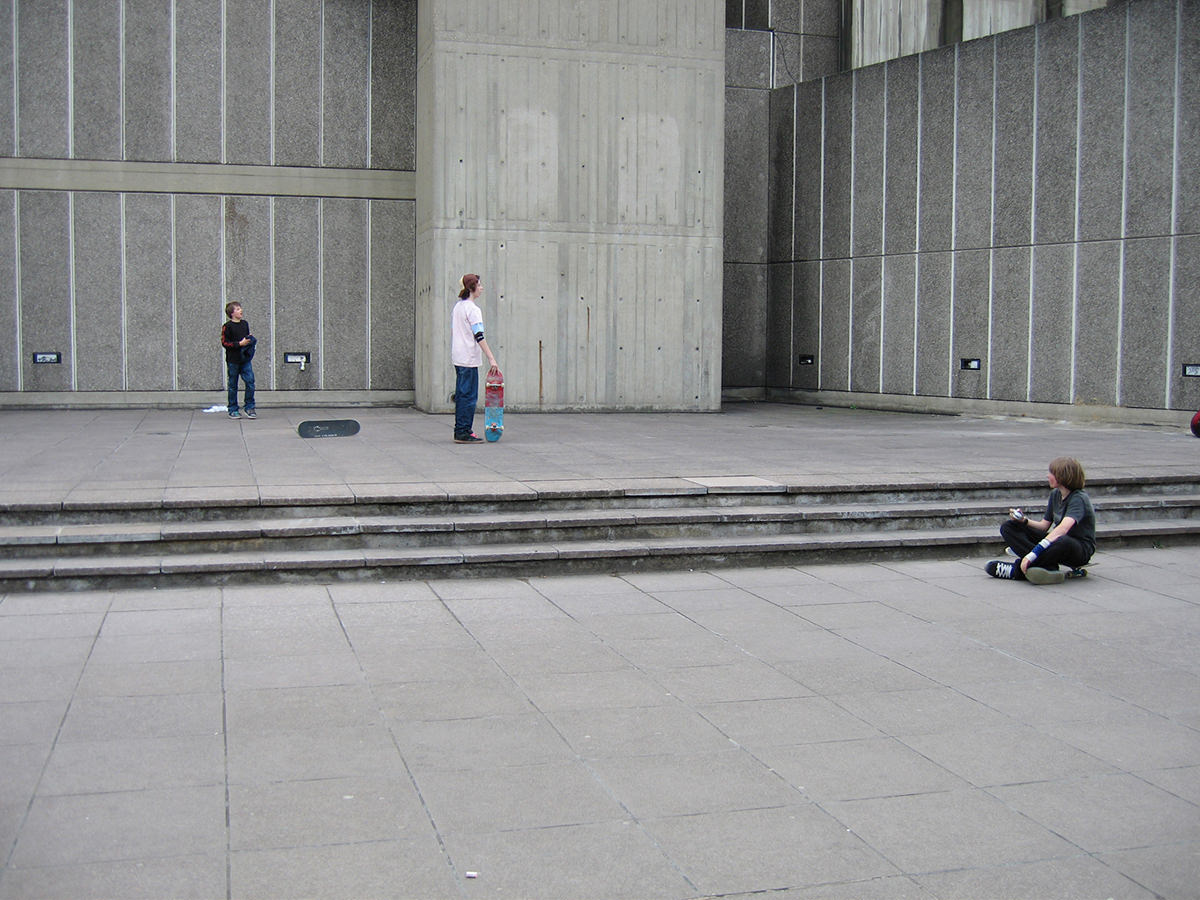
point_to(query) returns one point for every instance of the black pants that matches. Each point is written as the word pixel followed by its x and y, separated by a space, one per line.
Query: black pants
pixel 1065 551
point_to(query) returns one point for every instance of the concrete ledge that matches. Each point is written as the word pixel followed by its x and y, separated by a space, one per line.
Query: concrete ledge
pixel 30 174
pixel 197 399
pixel 952 406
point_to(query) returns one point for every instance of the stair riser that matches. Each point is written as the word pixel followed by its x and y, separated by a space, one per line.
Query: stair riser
pixel 1003 497
pixel 476 534
pixel 535 567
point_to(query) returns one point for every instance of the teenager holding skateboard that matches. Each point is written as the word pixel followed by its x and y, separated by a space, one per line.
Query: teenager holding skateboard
pixel 467 349
pixel 1065 535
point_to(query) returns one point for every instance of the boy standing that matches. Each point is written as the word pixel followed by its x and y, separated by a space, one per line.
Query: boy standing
pixel 239 350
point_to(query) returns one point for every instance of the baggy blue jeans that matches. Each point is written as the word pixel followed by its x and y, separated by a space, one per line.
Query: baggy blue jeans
pixel 244 371
pixel 466 396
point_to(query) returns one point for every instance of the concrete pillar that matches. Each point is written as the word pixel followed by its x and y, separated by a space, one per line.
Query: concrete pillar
pixel 572 155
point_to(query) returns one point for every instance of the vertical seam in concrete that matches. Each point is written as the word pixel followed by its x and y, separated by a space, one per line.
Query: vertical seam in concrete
pixel 771 59
pixel 1171 266
pixel 1124 216
pixel 953 230
pixel 271 86
pixel 70 79
pixel 124 298
pixel 1033 243
pixel 224 288
pixel 883 255
pixel 853 184
pixel 224 115
pixel 1075 232
pixel 16 93
pixel 121 109
pixel 991 217
pixel 821 249
pixel 367 292
pixel 219 361
pixel 17 286
pixel 791 341
pixel 271 286
pixel 174 110
pixel 321 291
pixel 370 86
pixel 321 115
pixel 71 312
pixel 174 294
pixel 917 225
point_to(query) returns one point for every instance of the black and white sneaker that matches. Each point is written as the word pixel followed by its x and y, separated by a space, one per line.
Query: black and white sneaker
pixel 998 568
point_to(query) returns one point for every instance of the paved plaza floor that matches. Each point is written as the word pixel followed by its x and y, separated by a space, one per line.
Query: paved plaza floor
pixel 891 730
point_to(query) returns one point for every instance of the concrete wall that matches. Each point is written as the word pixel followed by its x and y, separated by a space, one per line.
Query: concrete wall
pixel 768 43
pixel 1029 200
pixel 158 159
pixel 572 155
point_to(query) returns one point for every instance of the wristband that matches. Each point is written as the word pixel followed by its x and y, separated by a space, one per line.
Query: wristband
pixel 1037 550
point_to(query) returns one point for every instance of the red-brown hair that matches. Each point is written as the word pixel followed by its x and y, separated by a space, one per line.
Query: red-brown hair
pixel 468 282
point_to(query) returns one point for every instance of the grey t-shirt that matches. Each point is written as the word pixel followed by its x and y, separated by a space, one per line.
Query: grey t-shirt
pixel 1077 505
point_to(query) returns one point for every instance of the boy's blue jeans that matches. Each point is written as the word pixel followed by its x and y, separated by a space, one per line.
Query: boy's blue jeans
pixel 244 371
pixel 466 395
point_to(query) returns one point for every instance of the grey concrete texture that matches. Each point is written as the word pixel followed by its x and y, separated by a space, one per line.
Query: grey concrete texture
pixel 904 729
pixel 130 288
pixel 747 164
pixel 623 248
pixel 1047 157
pixel 184 75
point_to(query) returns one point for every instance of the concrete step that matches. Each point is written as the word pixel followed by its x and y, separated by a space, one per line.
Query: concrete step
pixel 532 526
pixel 431 501
pixel 536 557
pixel 426 531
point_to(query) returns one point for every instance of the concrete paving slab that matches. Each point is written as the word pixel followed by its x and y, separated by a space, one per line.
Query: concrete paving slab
pixel 767 849
pixel 283 814
pixel 1101 813
pixel 152 824
pixel 956 829
pixel 1081 876
pixel 137 764
pixel 549 863
pixel 1168 872
pixel 190 877
pixel 415 866
pixel 550 795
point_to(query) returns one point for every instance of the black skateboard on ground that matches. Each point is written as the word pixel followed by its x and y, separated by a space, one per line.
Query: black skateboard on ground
pixel 328 428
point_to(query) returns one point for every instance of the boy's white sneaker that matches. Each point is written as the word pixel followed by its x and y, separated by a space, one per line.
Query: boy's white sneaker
pixel 1037 575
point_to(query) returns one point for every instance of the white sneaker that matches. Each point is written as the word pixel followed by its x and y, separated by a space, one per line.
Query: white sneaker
pixel 1036 575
